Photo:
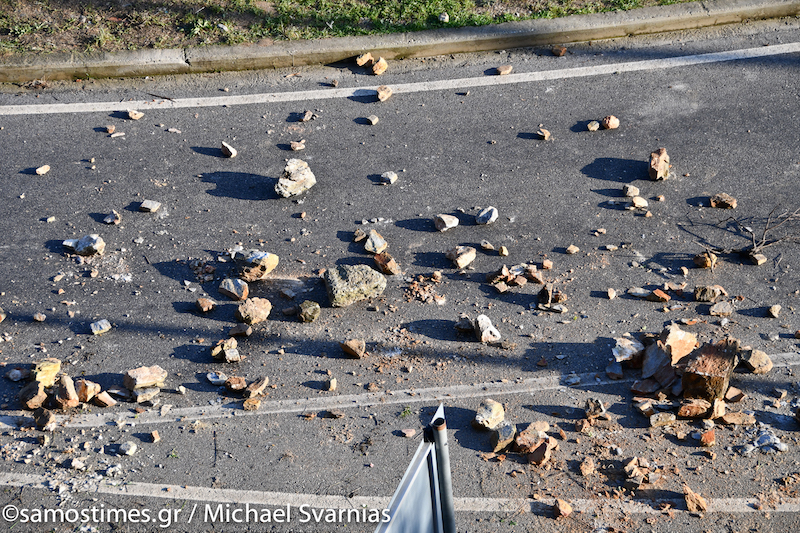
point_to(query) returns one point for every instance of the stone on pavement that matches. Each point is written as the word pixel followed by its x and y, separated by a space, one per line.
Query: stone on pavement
pixel 149 206
pixel 593 125
pixel 134 115
pixel 309 311
pixel 45 419
pixel 87 390
pixel 146 394
pixel 659 165
pixel 66 397
pixel 228 150
pixel 226 350
pixel 100 327
pixel 144 377
pixel 627 349
pixel 375 243
pixel 45 371
pixel 365 60
pixel 705 260
pixel 709 371
pixel 32 396
pixel 774 311
pixel 355 348
pixel 373 120
pixel 695 503
pixel 487 215
pixel 610 122
pixel 662 419
pixel 104 399
pixel 386 264
pixel 254 265
pixel 253 310
pixel 562 509
pixel 489 415
pixel 721 309
pixel 389 177
pixel 709 293
pixel 234 288
pixel 257 387
pixel 87 245
pixel 42 170
pixel 678 343
pixel 504 70
pixel 204 305
pixel 757 361
pixel 296 179
pixel 252 404
pixel 347 284
pixel 379 66
pixel 502 436
pixel 112 218
pixel 723 201
pixel 384 92
pixel 462 256
pixel 445 222
pixel 485 331
pixel 235 383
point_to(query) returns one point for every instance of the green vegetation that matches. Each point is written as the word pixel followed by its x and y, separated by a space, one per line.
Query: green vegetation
pixel 36 26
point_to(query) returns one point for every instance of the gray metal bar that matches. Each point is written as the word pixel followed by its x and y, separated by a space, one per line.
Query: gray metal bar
pixel 443 465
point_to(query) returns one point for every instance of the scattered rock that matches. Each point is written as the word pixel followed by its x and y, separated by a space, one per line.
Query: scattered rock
pixel 146 394
pixel 379 67
pixel 659 165
pixel 638 292
pixel 694 408
pixel 87 390
pixel 384 92
pixel 694 502
pixel 253 310
pixel 331 385
pixel 662 419
pixel 39 317
pixel 572 249
pixel 235 289
pixel 87 245
pixel 204 305
pixel 128 448
pixel 445 222
pixel 388 178
pixel 373 120
pixel 485 331
pixel 100 327
pixel 355 348
pixel 226 350
pixel 113 218
pixel 134 115
pixel 756 361
pixel 375 243
pixel 612 293
pixel 347 284
pixel 365 60
pixel 502 436
pixel 610 122
pixel 593 125
pixel 256 388
pixel 252 404
pixel 774 311
pixel 738 419
pixel 386 264
pixel 489 415
pixel 721 309
pixel 296 146
pixel 408 433
pixel 235 383
pixel 44 169
pixel 309 311
pixel 596 410
pixel 503 251
pixel 708 373
pixel 462 256
pixel 705 260
pixel 296 179
pixel 677 343
pixel 487 216
pixel 723 201
pixel 544 134
pixel 587 467
pixel 558 50
pixel 614 370
pixel 758 259
pixel 630 191
pixel 709 293
pixel 255 265
pixel 504 70
pixel 561 509
pixel 45 371
pixel 32 396
pixel 144 377
pixel 66 397
pixel 637 202
pixel 45 419
pixel 104 399
pixel 217 379
pixel 149 206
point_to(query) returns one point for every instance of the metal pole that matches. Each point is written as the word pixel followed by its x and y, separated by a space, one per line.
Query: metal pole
pixel 445 482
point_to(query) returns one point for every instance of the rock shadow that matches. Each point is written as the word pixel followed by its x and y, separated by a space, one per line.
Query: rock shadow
pixel 443 330
pixel 616 169
pixel 241 186
pixel 210 151
pixel 364 96
pixel 435 260
pixel 581 126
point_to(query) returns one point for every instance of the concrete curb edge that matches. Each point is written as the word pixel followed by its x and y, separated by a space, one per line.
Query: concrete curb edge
pixel 577 28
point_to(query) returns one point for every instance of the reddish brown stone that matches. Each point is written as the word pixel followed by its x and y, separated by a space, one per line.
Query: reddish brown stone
pixel 708 373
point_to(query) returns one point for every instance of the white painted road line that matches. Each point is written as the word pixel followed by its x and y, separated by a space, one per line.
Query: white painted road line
pixel 322 501
pixel 405 396
pixel 463 83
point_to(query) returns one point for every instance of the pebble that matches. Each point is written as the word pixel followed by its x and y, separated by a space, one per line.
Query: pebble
pixel 44 169
pixel 389 177
pixel 487 216
pixel 375 243
pixel 610 122
pixel 100 327
pixel 485 330
pixel 235 289
pixel 134 115
pixel 593 126
pixel 504 70
pixel 113 218
pixel 384 92
pixel 128 448
pixel 572 249
pixel 379 67
pixel 217 379
pixel 462 256
pixel 87 245
pixel 309 311
pixel 253 310
pixel 373 120
pixel 149 206
pixel 228 150
pixel 445 222
pixel 347 284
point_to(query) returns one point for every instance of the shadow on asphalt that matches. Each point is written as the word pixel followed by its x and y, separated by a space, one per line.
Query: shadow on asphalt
pixel 241 186
pixel 617 169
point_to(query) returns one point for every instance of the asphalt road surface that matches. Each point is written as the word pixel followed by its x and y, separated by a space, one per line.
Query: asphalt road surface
pixel 724 102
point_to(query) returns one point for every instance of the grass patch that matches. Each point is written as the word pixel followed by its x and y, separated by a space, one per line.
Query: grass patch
pixel 36 26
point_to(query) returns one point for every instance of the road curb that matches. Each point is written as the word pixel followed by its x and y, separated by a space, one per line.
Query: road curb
pixel 575 28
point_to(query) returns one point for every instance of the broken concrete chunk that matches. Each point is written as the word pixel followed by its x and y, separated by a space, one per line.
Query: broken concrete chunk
pixel 502 436
pixel 504 70
pixel 756 361
pixel 66 396
pixel 235 383
pixel 708 373
pixel 252 404
pixel 373 120
pixel 677 343
pixel 386 264
pixel 256 388
pixel 204 305
pixel 384 92
pixel 128 448
pixel 658 295
pixel 596 410
pixel 544 134
pixel 330 385
pixel 379 66
pixel 694 408
pixel 87 390
pixel 104 399
pixel 45 371
pixel 134 115
pixel 355 348
pixel 217 378
pixel 637 202
pixel 100 327
pixel 462 256
pixel 296 179
pixel 489 415
pixel 347 284
pixel 309 311
pixel 561 509
pixel 87 245
pixel 709 293
pixel 694 502
pixel 587 467
pixel 659 165
pixel 146 394
pixel 774 311
pixel 445 222
pixel 145 376
pixel 572 249
pixel 614 370
pixel 657 364
pixel 487 215
pixel 253 310
pixel 630 191
pixel 149 206
pixel 235 289
pixel 42 170
pixel 485 331
pixel 738 419
pixel 758 259
pixel 542 452
pixel 296 146
pixel 723 201
pixel 610 122
pixel 627 349
pixel 254 265
pixel 226 350
pixel 638 292
pixel 375 243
